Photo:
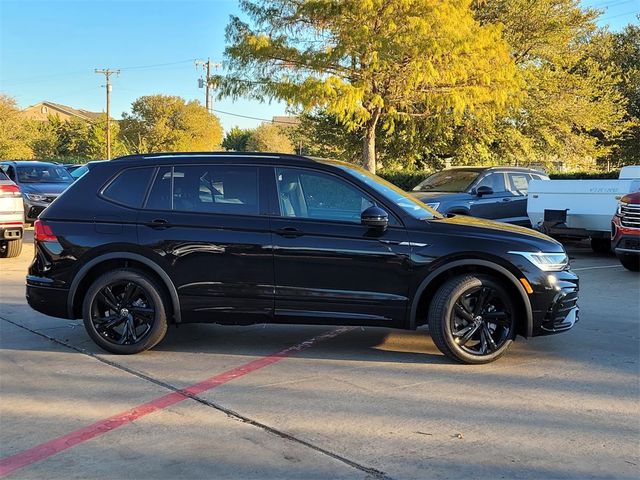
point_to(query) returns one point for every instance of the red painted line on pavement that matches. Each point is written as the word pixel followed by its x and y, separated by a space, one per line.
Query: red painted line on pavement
pixel 40 452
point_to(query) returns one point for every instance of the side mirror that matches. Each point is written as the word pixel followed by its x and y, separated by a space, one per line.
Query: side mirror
pixel 375 217
pixel 484 190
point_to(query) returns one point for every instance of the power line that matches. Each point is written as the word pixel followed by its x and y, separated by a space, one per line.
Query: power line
pixel 250 118
pixel 609 17
pixel 157 65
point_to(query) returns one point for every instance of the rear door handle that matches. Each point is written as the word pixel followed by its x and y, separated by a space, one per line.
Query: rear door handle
pixel 507 199
pixel 158 224
pixel 289 232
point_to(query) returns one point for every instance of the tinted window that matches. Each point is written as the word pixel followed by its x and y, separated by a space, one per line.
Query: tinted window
pixel 129 187
pixel 519 182
pixel 43 174
pixel 495 181
pixel 160 194
pixel 305 194
pixel 206 189
pixel 3 176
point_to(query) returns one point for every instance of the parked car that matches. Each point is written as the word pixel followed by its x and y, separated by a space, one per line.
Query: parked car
pixel 580 209
pixel 144 241
pixel 496 193
pixel 625 231
pixel 40 184
pixel 11 218
pixel 72 167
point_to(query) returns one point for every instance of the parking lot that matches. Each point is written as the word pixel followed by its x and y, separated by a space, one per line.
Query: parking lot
pixel 322 402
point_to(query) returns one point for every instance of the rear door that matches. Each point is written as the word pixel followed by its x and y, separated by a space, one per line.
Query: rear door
pixel 206 223
pixel 329 268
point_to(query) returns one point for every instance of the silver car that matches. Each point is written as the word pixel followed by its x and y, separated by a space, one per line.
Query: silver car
pixel 11 218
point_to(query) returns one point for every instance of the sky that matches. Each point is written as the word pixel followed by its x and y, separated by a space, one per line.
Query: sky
pixel 49 50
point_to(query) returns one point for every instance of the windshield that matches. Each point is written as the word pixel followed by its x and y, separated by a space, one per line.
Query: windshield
pixel 410 205
pixel 80 171
pixel 43 174
pixel 448 181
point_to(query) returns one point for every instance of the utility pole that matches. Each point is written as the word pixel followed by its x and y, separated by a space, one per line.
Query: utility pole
pixel 107 75
pixel 207 67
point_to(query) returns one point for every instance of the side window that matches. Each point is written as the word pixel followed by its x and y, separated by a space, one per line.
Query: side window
pixel 160 194
pixel 495 181
pixel 129 187
pixel 11 173
pixel 216 189
pixel 315 195
pixel 519 183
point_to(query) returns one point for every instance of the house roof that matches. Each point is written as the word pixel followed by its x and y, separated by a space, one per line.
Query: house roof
pixel 75 112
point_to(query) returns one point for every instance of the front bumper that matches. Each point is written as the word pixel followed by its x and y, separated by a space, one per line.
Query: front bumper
pixel 624 240
pixel 554 302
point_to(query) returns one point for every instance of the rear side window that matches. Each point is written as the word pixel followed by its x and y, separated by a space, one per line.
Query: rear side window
pixel 129 187
pixel 206 189
pixel 519 182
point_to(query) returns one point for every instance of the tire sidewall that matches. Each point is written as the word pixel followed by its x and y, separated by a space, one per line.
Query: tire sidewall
pixel 477 281
pixel 154 294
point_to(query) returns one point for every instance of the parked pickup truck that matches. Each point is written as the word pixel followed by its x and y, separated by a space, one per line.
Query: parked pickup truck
pixel 625 231
pixel 580 208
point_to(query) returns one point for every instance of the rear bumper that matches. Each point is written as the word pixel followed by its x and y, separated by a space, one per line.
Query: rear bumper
pixel 11 231
pixel 48 300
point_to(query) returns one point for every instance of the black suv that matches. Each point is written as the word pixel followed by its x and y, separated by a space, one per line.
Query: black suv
pixel 144 241
pixel 496 193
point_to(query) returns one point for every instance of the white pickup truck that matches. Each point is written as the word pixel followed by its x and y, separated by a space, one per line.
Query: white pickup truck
pixel 580 208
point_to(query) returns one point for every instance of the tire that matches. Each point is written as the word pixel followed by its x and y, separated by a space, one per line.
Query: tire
pixel 630 262
pixel 601 245
pixel 125 311
pixel 12 248
pixel 464 338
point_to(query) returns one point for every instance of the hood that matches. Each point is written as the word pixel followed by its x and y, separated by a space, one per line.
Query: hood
pixel 440 196
pixel 44 188
pixel 500 232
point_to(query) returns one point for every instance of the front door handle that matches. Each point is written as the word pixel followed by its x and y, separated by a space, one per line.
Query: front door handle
pixel 507 199
pixel 289 232
pixel 158 224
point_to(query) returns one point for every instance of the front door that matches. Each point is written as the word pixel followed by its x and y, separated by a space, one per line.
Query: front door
pixel 205 223
pixel 497 205
pixel 328 267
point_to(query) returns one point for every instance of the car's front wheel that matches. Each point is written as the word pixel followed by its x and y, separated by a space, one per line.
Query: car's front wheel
pixel 472 319
pixel 630 262
pixel 125 311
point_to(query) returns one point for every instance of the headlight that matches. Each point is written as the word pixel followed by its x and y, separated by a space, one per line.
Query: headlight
pixel 549 262
pixel 36 197
pixel 434 205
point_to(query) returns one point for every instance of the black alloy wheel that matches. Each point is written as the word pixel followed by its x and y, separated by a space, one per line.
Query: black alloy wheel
pixel 472 319
pixel 124 312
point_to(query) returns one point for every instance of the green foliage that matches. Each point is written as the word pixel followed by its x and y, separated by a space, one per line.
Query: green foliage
pixel 162 123
pixel 270 138
pixel 14 134
pixel 371 62
pixel 236 139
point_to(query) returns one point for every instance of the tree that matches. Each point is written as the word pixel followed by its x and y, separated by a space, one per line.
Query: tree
pixel 14 134
pixel 370 62
pixel 236 139
pixel 162 123
pixel 269 138
pixel 572 108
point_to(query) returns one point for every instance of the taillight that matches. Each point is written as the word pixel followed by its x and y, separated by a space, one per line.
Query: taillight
pixel 43 233
pixel 9 190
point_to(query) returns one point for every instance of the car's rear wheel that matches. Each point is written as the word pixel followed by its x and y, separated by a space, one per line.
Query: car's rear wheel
pixel 472 319
pixel 630 262
pixel 11 248
pixel 125 311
